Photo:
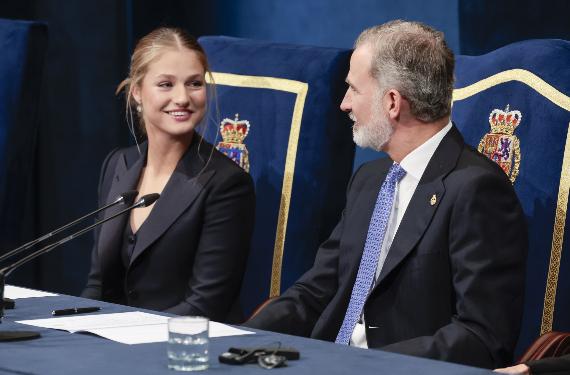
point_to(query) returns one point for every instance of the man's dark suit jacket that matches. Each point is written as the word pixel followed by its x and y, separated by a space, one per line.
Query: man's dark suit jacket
pixel 550 366
pixel 452 284
pixel 190 253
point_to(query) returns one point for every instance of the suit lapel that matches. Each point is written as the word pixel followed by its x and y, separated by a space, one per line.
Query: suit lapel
pixel 364 208
pixel 126 176
pixel 183 187
pixel 420 210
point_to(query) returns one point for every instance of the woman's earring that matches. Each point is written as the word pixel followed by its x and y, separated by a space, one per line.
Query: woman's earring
pixel 139 108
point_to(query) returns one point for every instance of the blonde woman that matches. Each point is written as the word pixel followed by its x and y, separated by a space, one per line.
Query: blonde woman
pixel 186 253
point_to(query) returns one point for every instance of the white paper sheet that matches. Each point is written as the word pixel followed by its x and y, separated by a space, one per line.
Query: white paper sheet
pixel 128 328
pixel 15 292
pixel 221 330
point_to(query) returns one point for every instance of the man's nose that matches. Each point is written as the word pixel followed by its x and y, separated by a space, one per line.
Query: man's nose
pixel 346 104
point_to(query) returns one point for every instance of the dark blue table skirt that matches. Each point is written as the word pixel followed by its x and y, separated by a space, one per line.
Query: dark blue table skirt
pixel 59 352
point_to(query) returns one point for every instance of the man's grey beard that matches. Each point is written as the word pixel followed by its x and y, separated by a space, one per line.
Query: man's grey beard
pixel 374 134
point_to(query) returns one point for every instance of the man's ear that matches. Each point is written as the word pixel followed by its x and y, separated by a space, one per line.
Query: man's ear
pixel 392 102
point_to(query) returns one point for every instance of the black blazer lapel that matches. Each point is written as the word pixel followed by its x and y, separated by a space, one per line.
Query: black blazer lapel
pixel 420 210
pixel 183 187
pixel 126 176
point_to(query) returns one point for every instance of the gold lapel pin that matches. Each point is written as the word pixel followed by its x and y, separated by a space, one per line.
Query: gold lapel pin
pixel 433 200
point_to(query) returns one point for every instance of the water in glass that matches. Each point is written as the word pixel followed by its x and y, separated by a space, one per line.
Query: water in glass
pixel 188 351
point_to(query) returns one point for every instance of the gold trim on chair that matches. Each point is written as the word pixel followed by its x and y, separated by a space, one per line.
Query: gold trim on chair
pixel 563 101
pixel 520 75
pixel 557 239
pixel 300 89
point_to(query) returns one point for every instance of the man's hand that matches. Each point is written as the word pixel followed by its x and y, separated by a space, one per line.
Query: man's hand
pixel 521 369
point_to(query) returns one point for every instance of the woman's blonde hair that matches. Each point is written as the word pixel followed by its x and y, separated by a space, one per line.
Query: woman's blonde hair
pixel 148 49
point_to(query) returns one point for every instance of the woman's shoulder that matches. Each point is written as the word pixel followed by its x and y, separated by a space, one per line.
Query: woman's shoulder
pixel 130 153
pixel 218 161
pixel 226 174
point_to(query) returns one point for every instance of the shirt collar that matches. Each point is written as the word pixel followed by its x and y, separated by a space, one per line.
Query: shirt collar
pixel 415 163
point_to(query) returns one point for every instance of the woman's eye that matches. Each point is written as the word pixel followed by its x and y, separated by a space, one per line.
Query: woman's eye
pixel 196 84
pixel 165 84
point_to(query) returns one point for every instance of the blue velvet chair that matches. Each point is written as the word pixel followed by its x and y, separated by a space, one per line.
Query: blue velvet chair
pixel 23 45
pixel 280 119
pixel 513 104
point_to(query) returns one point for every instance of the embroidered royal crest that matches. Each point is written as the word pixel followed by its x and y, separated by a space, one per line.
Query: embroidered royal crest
pixel 501 145
pixel 233 134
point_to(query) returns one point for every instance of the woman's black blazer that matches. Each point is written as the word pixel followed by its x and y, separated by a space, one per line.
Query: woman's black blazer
pixel 190 254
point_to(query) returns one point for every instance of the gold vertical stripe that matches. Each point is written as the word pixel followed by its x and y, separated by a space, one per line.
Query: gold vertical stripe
pixel 275 288
pixel 563 101
pixel 557 241
pixel 300 89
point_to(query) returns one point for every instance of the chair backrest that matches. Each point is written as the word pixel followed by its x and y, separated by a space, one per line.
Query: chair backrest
pixel 278 107
pixel 513 105
pixel 23 46
pixel 551 344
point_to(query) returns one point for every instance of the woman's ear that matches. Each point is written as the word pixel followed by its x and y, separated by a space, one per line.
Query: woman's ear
pixel 136 92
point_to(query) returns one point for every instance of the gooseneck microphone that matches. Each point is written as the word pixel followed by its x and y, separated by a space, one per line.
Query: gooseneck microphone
pixel 126 198
pixel 144 201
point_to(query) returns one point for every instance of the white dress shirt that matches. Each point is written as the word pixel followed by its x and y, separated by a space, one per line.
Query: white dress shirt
pixel 414 164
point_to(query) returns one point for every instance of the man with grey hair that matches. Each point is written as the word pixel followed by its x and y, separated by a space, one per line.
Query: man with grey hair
pixel 429 256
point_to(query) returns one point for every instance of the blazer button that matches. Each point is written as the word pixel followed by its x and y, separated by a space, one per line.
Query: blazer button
pixel 133 294
pixel 131 239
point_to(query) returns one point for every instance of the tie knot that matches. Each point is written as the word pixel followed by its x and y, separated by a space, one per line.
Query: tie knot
pixel 396 173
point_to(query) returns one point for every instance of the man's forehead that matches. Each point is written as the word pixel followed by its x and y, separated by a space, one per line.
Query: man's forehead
pixel 360 62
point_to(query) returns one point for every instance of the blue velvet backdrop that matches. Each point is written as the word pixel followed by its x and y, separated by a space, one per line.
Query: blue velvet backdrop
pixel 23 45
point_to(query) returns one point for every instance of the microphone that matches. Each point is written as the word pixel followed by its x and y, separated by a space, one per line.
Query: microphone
pixel 126 198
pixel 144 201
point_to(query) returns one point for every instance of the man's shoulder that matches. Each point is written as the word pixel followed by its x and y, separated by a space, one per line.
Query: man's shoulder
pixel 472 163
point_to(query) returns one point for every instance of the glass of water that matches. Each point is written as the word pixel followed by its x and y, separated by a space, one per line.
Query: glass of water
pixel 188 343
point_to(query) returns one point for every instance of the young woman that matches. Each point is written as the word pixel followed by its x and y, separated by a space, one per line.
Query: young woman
pixel 186 253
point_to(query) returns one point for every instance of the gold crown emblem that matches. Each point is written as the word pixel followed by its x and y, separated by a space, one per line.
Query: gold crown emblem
pixel 233 134
pixel 504 122
pixel 234 131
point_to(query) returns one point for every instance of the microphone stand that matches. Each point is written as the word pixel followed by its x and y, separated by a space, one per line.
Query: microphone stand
pixel 126 198
pixel 144 201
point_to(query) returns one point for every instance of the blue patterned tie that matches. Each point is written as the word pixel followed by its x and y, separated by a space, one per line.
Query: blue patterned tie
pixel 369 261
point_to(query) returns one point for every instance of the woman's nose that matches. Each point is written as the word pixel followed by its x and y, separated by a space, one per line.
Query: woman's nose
pixel 181 97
